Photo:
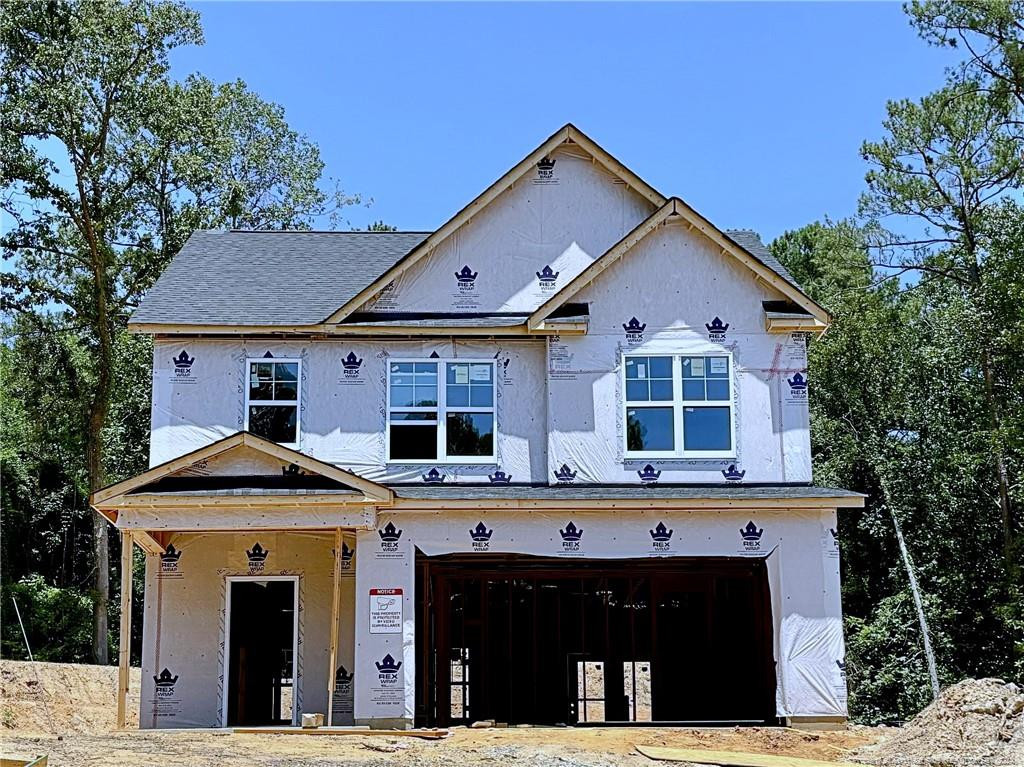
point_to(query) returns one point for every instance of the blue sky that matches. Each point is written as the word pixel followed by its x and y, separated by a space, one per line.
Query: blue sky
pixel 753 113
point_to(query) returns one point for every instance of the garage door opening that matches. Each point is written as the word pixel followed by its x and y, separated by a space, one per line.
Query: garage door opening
pixel 532 640
pixel 261 630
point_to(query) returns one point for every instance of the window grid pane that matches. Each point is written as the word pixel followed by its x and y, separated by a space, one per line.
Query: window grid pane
pixel 274 381
pixel 650 429
pixel 704 399
pixel 649 379
pixel 272 409
pixel 465 411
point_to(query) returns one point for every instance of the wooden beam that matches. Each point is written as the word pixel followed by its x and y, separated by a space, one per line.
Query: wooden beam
pixel 147 542
pixel 371 489
pixel 335 610
pixel 125 637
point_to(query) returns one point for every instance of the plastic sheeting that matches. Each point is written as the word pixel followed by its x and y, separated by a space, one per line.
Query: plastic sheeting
pixel 185 601
pixel 705 303
pixel 560 401
pixel 525 246
pixel 800 547
pixel 184 628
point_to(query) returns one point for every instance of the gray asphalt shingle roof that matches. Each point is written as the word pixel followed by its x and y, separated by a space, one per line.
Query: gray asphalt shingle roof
pixel 269 278
pixel 750 241
pixel 294 277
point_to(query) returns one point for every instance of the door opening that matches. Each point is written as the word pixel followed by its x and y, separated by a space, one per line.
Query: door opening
pixel 261 637
pixel 531 640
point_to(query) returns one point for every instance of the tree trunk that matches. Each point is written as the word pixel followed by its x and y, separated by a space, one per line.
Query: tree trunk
pixel 99 407
pixel 1002 476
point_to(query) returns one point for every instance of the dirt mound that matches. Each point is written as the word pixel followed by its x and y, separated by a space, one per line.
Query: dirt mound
pixel 974 723
pixel 62 698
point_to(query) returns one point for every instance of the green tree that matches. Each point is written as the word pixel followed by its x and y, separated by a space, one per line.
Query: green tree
pixel 991 32
pixel 108 164
pixel 944 165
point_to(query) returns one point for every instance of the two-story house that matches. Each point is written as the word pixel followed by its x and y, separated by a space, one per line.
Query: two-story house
pixel 547 464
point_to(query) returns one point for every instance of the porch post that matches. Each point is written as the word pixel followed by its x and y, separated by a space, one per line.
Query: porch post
pixel 125 637
pixel 335 609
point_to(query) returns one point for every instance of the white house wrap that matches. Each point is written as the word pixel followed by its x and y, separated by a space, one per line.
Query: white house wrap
pixel 576 395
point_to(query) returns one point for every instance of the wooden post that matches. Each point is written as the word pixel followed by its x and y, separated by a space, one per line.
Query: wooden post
pixel 125 638
pixel 335 609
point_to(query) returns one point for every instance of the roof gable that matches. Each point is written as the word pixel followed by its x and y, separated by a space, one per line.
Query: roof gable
pixel 524 245
pixel 241 449
pixel 770 272
pixel 568 136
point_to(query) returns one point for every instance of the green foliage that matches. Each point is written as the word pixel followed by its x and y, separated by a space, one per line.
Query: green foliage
pixel 899 412
pixel 57 621
pixel 107 165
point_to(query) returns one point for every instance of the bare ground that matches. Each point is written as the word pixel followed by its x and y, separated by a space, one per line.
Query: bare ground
pixel 68 712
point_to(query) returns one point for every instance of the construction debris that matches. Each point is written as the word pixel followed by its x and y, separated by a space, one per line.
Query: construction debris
pixel 974 723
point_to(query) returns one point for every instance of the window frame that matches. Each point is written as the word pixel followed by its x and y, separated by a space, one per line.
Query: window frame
pixel 442 410
pixel 297 402
pixel 678 403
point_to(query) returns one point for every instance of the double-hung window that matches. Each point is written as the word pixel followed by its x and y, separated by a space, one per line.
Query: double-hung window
pixel 272 400
pixel 679 406
pixel 441 411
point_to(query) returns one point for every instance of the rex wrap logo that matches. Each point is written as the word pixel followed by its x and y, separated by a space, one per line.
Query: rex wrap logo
pixel 797 386
pixel 257 557
pixel 499 477
pixel 572 538
pixel 182 368
pixel 164 684
pixel 733 474
pixel 347 557
pixel 750 536
pixel 648 475
pixel 480 537
pixel 546 171
pixel 389 537
pixel 433 477
pixel 169 561
pixel 565 475
pixel 547 277
pixel 661 538
pixel 350 366
pixel 716 329
pixel 465 278
pixel 387 671
pixel 634 330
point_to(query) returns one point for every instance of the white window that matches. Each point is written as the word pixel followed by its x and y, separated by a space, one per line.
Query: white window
pixel 272 400
pixel 441 411
pixel 679 406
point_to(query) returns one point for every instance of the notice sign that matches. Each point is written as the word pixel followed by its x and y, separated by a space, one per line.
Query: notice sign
pixel 385 611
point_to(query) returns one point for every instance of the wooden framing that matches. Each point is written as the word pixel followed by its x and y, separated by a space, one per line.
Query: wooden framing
pixel 125 636
pixel 794 324
pixel 694 221
pixel 335 613
pixel 568 134
pixel 372 490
